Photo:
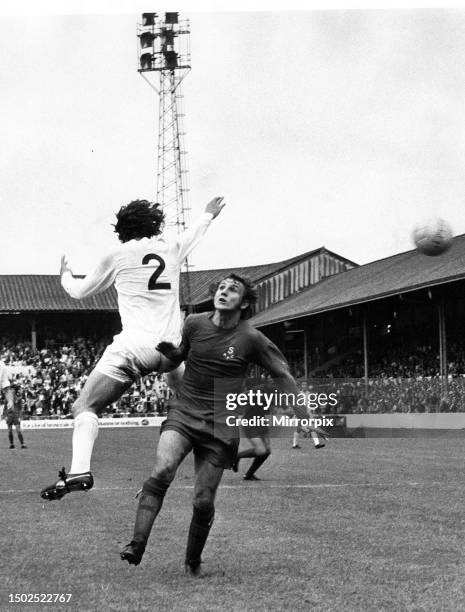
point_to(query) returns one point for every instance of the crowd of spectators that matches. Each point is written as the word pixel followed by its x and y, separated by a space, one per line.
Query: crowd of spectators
pixel 49 380
pixel 390 395
pixel 401 379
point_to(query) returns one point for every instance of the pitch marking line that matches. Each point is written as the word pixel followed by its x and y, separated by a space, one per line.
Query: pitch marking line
pixel 271 486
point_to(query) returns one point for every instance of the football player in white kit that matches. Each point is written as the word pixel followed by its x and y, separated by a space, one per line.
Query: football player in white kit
pixel 317 442
pixel 145 270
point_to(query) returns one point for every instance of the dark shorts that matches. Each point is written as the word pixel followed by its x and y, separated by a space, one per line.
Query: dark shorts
pixel 258 431
pixel 220 453
pixel 12 419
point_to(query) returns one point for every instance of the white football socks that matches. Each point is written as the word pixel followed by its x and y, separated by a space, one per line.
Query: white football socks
pixel 295 438
pixel 84 435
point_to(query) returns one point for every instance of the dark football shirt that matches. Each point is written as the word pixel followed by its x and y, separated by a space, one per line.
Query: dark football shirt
pixel 217 363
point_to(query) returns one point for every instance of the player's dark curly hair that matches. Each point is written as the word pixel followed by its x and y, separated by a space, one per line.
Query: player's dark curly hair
pixel 139 219
pixel 250 293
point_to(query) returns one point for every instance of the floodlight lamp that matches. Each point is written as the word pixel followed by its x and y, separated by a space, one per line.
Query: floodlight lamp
pixel 146 39
pixel 167 37
pixel 146 61
pixel 171 17
pixel 148 19
pixel 171 59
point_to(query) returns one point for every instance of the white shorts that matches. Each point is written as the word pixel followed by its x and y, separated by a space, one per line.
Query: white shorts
pixel 126 359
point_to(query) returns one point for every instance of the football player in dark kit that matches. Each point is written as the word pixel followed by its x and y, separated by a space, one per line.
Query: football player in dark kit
pixel 219 348
pixel 12 409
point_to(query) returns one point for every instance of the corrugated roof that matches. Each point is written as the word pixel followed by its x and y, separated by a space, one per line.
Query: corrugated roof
pixel 200 280
pixel 35 292
pixel 396 274
pixel 43 292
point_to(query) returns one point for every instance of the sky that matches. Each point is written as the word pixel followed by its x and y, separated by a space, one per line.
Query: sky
pixel 336 128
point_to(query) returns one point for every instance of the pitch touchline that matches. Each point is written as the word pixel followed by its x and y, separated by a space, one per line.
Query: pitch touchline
pixel 271 486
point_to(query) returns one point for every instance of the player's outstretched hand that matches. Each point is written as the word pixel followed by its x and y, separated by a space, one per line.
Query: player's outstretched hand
pixel 215 206
pixel 64 266
pixel 167 349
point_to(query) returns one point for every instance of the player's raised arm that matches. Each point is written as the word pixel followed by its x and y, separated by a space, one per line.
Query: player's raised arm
pixel 275 363
pixel 96 282
pixel 272 360
pixel 192 236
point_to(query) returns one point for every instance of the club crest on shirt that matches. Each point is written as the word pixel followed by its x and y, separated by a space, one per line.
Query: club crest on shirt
pixel 230 353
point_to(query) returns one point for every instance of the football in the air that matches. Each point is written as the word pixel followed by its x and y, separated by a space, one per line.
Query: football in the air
pixel 433 237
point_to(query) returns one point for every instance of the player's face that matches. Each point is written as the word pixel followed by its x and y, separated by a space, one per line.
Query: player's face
pixel 229 295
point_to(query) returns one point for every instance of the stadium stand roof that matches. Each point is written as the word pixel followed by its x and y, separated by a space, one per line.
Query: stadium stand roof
pixel 200 280
pixel 399 273
pixel 396 274
pixel 43 292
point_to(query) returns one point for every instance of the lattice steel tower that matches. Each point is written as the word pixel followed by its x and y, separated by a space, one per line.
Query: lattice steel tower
pixel 164 62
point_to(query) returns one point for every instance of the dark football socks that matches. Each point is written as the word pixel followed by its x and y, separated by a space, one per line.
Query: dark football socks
pixel 20 438
pixel 150 502
pixel 199 529
pixel 10 437
pixel 256 463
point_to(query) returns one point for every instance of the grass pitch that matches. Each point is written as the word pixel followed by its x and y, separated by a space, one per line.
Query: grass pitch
pixel 364 524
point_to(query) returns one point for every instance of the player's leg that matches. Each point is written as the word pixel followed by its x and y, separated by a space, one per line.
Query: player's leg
pixel 171 450
pixel 318 441
pixel 295 437
pixel 10 434
pixel 19 433
pixel 208 477
pixel 257 448
pixel 263 451
pixel 98 392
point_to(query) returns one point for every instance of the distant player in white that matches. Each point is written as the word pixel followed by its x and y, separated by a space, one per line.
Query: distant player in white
pixel 145 270
pixel 318 442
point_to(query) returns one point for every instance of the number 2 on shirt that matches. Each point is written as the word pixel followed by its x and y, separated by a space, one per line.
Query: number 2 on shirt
pixel 153 285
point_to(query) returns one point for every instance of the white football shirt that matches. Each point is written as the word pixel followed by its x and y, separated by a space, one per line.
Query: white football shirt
pixel 146 277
